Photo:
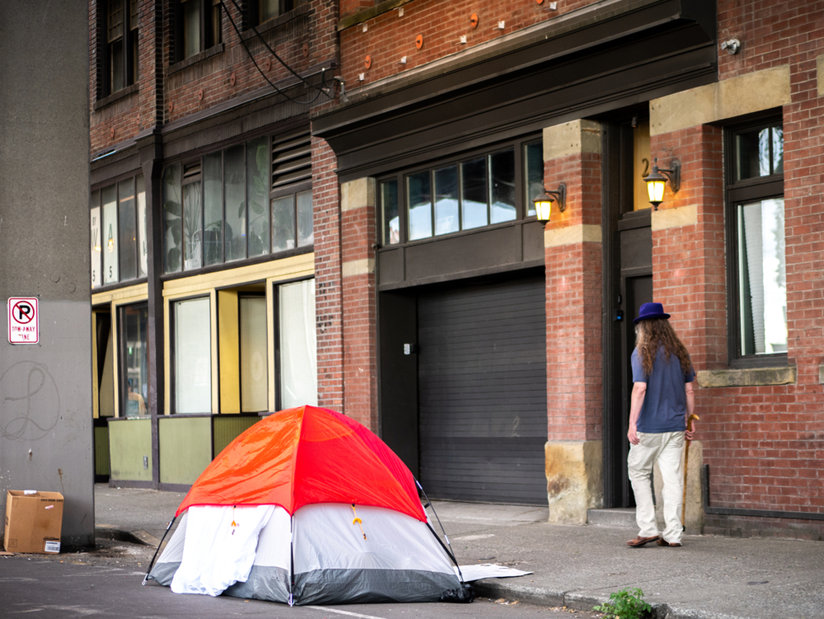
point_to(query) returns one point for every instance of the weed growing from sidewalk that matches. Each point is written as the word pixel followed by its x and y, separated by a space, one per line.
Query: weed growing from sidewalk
pixel 625 604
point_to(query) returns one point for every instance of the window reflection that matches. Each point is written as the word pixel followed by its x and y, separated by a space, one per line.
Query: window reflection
pixel 446 200
pixel 762 277
pixel 419 198
pixel 475 197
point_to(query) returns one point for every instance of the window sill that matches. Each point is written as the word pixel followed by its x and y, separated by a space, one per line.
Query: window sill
pixel 750 377
pixel 180 65
pixel 115 96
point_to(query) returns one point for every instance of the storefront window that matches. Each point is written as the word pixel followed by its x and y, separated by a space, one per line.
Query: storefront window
pixel 297 360
pixel 134 380
pixel 192 367
pixel 253 374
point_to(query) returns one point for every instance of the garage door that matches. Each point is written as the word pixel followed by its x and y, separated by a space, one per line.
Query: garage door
pixel 482 392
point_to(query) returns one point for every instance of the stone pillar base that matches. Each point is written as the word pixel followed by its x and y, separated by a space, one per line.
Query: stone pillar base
pixel 574 480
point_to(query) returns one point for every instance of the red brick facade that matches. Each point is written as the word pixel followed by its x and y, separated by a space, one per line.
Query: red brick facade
pixel 763 438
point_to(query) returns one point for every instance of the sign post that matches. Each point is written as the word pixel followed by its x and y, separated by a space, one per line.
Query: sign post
pixel 24 320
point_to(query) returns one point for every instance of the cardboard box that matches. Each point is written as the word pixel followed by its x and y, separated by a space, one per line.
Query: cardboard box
pixel 34 521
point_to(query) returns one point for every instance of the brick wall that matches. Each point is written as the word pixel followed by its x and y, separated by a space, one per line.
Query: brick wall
pixel 393 34
pixel 328 285
pixel 573 304
pixel 359 319
pixel 304 40
pixel 764 443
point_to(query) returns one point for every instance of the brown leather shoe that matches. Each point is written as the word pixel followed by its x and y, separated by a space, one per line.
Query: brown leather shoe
pixel 640 541
pixel 663 542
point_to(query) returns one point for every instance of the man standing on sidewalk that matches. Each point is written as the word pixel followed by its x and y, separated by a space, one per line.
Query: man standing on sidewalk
pixel 661 403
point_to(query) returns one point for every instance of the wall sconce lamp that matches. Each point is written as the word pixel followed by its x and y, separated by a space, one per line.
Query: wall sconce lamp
pixel 657 180
pixel 543 204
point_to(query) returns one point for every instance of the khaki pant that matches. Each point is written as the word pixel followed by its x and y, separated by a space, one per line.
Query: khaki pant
pixel 665 449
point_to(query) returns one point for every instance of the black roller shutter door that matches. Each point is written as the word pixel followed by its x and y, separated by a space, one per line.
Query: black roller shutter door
pixel 482 392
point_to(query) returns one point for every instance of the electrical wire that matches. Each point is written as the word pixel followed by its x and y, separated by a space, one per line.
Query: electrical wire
pixel 320 89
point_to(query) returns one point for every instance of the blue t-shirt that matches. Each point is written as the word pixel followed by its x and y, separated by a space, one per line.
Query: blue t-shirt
pixel 665 402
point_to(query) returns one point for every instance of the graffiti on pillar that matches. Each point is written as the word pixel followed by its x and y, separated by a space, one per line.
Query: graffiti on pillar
pixel 29 402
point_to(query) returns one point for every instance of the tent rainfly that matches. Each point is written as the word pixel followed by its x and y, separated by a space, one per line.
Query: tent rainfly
pixel 308 507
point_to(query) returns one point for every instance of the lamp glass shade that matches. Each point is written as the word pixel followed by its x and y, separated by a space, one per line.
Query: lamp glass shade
pixel 543 208
pixel 655 189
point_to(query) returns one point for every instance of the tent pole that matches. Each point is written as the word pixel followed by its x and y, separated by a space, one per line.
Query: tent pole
pixel 151 563
pixel 448 546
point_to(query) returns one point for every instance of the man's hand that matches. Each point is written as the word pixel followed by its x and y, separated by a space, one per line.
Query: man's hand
pixel 632 434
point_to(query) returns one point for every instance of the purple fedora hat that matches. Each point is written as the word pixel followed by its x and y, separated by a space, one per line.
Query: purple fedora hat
pixel 649 311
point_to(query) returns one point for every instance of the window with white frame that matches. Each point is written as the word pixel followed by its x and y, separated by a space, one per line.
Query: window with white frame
pixel 297 344
pixel 756 248
pixel 191 351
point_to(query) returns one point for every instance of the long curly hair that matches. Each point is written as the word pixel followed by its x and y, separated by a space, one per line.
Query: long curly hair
pixel 651 335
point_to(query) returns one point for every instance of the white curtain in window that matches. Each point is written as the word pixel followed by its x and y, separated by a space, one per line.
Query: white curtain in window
pixel 193 358
pixel 298 344
pixel 763 271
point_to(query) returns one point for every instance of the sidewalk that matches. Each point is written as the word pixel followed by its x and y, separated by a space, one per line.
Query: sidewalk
pixel 578 566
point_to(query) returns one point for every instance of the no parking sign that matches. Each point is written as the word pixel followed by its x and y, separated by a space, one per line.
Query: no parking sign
pixel 24 320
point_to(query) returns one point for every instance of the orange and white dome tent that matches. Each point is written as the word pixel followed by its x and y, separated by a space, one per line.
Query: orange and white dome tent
pixel 307 507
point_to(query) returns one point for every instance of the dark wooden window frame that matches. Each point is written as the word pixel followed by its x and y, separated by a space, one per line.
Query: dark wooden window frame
pixel 128 39
pixel 736 192
pixel 210 33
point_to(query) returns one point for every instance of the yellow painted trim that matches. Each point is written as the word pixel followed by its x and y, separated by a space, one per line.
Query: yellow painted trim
pixel 572 138
pixel 674 217
pixel 95 386
pixel 119 296
pixel 115 361
pixel 213 352
pixel 364 266
pixel 745 94
pixel 302 265
pixel 572 235
pixel 357 194
pixel 167 360
pixel 228 347
pixel 270 342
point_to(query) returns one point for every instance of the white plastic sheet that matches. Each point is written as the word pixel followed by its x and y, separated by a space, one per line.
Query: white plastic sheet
pixel 219 547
